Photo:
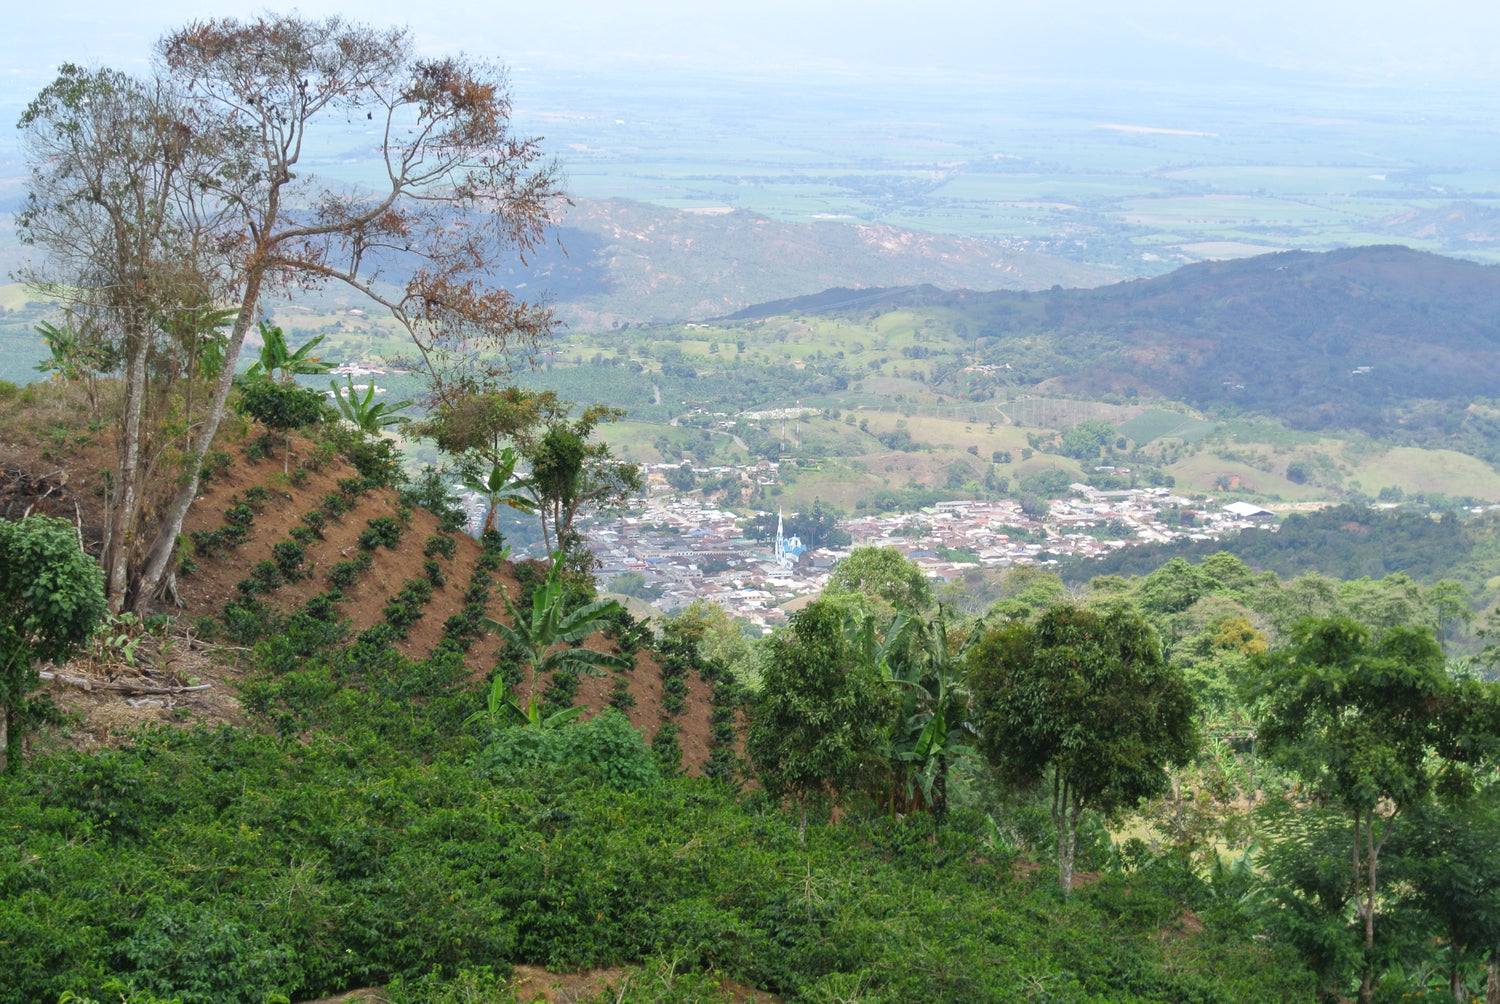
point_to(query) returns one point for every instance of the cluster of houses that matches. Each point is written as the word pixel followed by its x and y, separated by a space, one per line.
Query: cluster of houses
pixel 688 549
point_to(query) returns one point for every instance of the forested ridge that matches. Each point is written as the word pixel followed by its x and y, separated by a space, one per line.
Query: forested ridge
pixel 1344 542
pixel 1364 338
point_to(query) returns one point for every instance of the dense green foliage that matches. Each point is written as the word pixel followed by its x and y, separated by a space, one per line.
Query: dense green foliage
pixel 1344 542
pixel 51 596
pixel 1372 726
pixel 817 727
pixel 223 866
pixel 882 572
pixel 1087 703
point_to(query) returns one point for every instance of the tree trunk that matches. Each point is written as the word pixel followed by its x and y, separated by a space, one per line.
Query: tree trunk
pixel 1065 811
pixel 123 509
pixel 1457 985
pixel 4 737
pixel 940 790
pixel 171 527
pixel 1072 847
pixel 802 824
pixel 1492 982
pixel 1371 875
pixel 1364 906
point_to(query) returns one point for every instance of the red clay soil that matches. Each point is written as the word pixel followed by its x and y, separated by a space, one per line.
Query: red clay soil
pixel 54 472
pixel 212 585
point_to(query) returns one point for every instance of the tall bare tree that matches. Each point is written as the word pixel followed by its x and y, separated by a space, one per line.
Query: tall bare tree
pixel 460 192
pixel 109 201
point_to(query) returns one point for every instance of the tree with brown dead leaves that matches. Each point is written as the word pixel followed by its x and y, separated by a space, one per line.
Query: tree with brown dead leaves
pixel 461 192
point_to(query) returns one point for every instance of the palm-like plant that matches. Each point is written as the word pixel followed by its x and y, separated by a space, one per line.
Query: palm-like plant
pixel 548 635
pixel 276 356
pixel 529 714
pixel 500 487
pixel 933 727
pixel 364 413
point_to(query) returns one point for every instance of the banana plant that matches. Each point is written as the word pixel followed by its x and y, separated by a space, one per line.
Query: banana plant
pixel 529 714
pixel 77 353
pixel 500 487
pixel 364 413
pixel 276 356
pixel 934 726
pixel 548 634
pixel 874 647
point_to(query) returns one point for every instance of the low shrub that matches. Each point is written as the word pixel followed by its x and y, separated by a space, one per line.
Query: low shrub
pixel 239 513
pixel 344 574
pixel 383 532
pixel 606 750
pixel 289 558
pixel 216 464
pixel 439 545
pixel 246 621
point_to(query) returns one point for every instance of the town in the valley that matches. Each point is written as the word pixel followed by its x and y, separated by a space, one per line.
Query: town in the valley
pixel 686 548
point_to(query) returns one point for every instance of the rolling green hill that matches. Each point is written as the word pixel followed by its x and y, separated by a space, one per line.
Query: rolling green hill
pixel 1386 340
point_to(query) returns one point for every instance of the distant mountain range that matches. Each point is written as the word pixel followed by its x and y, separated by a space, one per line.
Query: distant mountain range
pixel 624 261
pixel 1455 225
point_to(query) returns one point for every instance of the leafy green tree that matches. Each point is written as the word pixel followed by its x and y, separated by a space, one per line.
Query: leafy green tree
pixel 51 596
pixel 716 635
pixel 573 474
pixel 1027 591
pixel 1309 889
pixel 1369 725
pixel 883 572
pixel 281 407
pixel 634 584
pixel 1087 701
pixel 822 714
pixel 548 634
pixel 1445 860
pixel 481 424
pixel 1087 439
pixel 1050 482
pixel 1172 588
pixel 1216 659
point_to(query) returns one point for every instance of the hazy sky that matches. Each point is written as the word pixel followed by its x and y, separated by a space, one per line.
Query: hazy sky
pixel 1370 41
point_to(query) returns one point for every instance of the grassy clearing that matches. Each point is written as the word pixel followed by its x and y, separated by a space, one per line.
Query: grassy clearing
pixel 1059 413
pixel 15 296
pixel 1158 424
pixel 1203 472
pixel 1444 471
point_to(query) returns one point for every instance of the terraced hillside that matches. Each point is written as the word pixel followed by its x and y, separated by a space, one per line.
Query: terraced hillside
pixel 291 582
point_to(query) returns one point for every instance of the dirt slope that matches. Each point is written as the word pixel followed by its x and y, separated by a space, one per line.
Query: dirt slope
pixel 52 463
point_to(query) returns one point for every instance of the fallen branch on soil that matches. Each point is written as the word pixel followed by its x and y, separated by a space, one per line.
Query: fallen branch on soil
pixel 128 688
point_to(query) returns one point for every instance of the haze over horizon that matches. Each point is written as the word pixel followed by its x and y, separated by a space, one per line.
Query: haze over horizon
pixel 1443 42
pixel 883 112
